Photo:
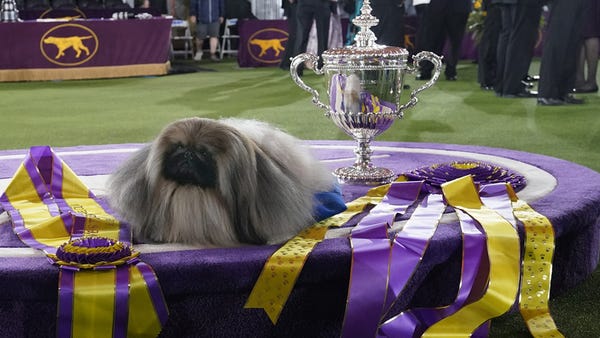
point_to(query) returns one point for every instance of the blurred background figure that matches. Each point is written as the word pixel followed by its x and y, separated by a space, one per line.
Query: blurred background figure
pixel 179 9
pixel 335 38
pixel 520 21
pixel 390 30
pixel 487 47
pixel 308 11
pixel 289 12
pixel 587 66
pixel 208 16
pixel 443 19
pixel 558 66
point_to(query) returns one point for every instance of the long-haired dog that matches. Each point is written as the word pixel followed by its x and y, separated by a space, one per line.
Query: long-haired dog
pixel 219 182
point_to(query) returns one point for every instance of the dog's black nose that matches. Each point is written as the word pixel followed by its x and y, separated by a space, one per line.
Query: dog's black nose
pixel 186 165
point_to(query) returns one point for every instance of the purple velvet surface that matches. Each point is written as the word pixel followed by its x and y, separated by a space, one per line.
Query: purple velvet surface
pixel 206 289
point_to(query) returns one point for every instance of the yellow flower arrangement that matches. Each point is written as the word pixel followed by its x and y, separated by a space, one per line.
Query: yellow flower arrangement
pixel 476 19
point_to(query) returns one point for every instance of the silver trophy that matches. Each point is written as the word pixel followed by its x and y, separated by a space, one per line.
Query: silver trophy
pixel 9 11
pixel 364 82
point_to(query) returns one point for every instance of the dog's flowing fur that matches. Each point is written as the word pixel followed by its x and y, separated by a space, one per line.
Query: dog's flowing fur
pixel 219 182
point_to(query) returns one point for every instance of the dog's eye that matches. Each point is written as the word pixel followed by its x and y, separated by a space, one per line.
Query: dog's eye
pixel 179 146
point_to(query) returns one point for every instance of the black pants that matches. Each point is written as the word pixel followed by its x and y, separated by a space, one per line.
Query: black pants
pixel 292 21
pixel 487 48
pixel 309 10
pixel 441 21
pixel 390 30
pixel 559 58
pixel 518 34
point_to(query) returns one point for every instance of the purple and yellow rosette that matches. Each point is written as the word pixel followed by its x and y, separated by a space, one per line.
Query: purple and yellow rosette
pixel 103 285
pixel 94 253
pixel 482 173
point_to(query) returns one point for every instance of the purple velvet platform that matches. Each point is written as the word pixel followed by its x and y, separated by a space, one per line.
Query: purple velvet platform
pixel 205 289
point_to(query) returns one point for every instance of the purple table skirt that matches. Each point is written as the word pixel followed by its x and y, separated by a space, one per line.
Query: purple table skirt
pixel 206 289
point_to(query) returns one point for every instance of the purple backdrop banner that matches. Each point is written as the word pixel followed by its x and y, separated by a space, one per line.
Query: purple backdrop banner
pixel 84 43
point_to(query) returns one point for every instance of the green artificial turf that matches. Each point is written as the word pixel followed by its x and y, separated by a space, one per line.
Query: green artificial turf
pixel 64 113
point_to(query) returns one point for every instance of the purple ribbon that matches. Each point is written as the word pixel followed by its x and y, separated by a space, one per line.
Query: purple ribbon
pixel 66 281
pixel 414 322
pixel 370 260
pixel 121 316
pixel 474 272
pixel 158 300
pixel 410 244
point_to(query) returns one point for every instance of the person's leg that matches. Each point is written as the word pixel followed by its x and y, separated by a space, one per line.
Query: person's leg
pixel 213 42
pixel 305 19
pixel 201 32
pixel 520 49
pixel 322 20
pixel 456 24
pixel 580 74
pixel 506 19
pixel 592 48
pixel 288 53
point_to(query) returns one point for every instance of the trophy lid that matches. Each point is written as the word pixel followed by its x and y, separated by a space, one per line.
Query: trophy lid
pixel 365 51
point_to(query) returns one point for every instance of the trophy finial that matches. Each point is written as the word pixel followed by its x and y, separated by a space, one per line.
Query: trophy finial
pixel 365 37
pixel 9 11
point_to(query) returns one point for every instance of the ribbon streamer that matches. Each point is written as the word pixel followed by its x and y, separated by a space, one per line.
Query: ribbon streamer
pixel 504 261
pixel 48 206
pixel 537 270
pixel 371 251
pixel 413 323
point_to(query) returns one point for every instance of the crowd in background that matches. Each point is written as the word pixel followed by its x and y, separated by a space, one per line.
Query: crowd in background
pixel 509 31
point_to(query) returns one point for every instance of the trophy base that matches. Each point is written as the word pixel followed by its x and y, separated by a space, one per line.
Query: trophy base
pixel 364 176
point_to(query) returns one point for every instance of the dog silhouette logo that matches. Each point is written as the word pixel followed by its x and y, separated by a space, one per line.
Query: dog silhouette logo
pixel 266 45
pixel 69 44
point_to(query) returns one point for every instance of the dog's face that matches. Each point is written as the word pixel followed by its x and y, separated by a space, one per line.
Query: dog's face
pixel 189 152
pixel 190 164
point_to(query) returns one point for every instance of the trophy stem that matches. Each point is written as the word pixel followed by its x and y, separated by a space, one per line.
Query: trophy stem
pixel 363 171
pixel 363 153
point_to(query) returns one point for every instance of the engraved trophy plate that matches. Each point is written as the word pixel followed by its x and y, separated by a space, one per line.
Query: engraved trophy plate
pixel 364 83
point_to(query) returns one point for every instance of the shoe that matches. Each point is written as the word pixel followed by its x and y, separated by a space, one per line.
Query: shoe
pixel 422 77
pixel 214 57
pixel 570 99
pixel 486 87
pixel 527 84
pixel 584 89
pixel 545 101
pixel 451 78
pixel 198 56
pixel 406 86
pixel 521 94
pixel 529 78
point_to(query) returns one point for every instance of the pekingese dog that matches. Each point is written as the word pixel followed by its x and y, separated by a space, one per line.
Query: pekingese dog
pixel 219 182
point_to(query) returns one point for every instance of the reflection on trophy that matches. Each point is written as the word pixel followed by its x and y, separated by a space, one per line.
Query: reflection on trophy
pixel 364 83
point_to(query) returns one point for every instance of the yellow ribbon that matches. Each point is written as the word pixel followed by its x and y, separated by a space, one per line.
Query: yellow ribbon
pixel 537 270
pixel 279 274
pixel 93 291
pixel 504 257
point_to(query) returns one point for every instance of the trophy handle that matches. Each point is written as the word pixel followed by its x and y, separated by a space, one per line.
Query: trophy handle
pixel 437 69
pixel 313 60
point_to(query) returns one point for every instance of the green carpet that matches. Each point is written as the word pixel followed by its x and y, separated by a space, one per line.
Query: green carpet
pixel 64 113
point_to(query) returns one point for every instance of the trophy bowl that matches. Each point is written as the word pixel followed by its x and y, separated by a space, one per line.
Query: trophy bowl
pixel 364 83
